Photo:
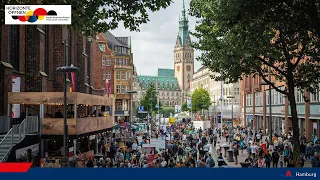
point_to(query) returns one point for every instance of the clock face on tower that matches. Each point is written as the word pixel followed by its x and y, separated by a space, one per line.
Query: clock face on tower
pixel 188 68
pixel 178 68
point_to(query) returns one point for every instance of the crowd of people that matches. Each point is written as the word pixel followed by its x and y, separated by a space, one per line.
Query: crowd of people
pixel 188 147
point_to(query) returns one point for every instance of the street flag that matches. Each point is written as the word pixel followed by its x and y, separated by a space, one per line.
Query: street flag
pixel 73 79
pixel 221 91
pixel 108 89
pixel 189 102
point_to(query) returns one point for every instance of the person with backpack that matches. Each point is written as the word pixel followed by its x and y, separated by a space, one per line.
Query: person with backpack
pixel 275 158
pixel 209 161
pixel 267 159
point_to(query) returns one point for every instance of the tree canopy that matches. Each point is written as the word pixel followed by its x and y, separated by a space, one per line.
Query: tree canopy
pixel 200 100
pixel 90 17
pixel 150 99
pixel 260 38
pixel 184 107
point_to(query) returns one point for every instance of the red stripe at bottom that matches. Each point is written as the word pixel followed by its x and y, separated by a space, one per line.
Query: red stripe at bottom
pixel 14 167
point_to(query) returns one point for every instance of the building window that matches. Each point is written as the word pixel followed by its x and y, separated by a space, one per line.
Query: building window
pixel 108 61
pixel 108 75
pixel 118 74
pixel 123 89
pixel 118 105
pixel 118 89
pixel 103 61
pixel 127 88
pixel 15 47
pixel 123 75
pixel 280 98
pixel 127 75
pixel 276 97
pixel 104 76
pixel 299 95
pixel 314 97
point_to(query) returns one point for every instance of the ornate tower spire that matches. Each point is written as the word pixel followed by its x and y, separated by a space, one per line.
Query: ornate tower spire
pixel 183 11
pixel 183 26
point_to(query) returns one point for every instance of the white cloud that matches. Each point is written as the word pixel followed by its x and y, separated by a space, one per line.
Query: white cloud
pixel 153 46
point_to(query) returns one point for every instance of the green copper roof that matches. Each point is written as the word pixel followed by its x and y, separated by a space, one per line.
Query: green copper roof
pixel 164 83
pixel 183 27
pixel 166 72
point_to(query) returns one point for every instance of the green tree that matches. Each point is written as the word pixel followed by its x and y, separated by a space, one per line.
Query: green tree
pixel 166 111
pixel 269 39
pixel 90 17
pixel 200 100
pixel 149 100
pixel 184 107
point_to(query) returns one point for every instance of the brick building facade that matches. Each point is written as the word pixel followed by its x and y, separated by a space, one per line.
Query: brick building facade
pixel 255 106
pixel 34 52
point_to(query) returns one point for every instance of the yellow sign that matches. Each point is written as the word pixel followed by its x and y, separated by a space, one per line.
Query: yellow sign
pixel 172 120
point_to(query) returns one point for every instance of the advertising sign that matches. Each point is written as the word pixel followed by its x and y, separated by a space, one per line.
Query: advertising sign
pixel 16 81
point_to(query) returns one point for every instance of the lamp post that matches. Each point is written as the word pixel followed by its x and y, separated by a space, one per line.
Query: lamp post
pixel 131 110
pixel 214 112
pixel 270 109
pixel 150 103
pixel 231 97
pixel 65 69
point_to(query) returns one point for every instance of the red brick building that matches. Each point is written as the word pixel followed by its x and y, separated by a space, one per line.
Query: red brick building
pixel 255 105
pixel 34 52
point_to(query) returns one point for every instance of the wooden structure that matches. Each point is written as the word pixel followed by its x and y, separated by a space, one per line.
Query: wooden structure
pixel 76 125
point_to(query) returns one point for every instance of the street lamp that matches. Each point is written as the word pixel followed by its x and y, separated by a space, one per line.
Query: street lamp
pixel 270 111
pixel 150 103
pixel 65 69
pixel 131 111
pixel 231 97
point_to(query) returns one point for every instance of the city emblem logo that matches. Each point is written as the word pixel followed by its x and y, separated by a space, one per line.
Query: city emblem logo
pixel 288 173
pixel 33 16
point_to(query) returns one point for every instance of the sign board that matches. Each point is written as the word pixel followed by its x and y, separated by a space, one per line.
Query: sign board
pixel 16 81
pixel 126 113
pixel 158 144
pixel 140 108
pixel 177 108
pixel 142 112
pixel 172 120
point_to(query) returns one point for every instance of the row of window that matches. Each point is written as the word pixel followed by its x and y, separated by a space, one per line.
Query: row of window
pixel 169 103
pixel 185 55
pixel 106 61
pixel 122 50
pixel 163 94
pixel 122 61
pixel 118 61
pixel 227 102
pixel 122 75
pixel 122 89
pixel 228 91
pixel 278 98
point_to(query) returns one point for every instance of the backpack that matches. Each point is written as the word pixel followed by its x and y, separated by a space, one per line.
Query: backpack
pixel 118 157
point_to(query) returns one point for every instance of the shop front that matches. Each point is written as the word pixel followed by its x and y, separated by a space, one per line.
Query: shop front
pixel 85 119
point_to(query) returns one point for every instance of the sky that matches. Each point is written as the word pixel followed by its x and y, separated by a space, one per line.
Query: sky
pixel 153 46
